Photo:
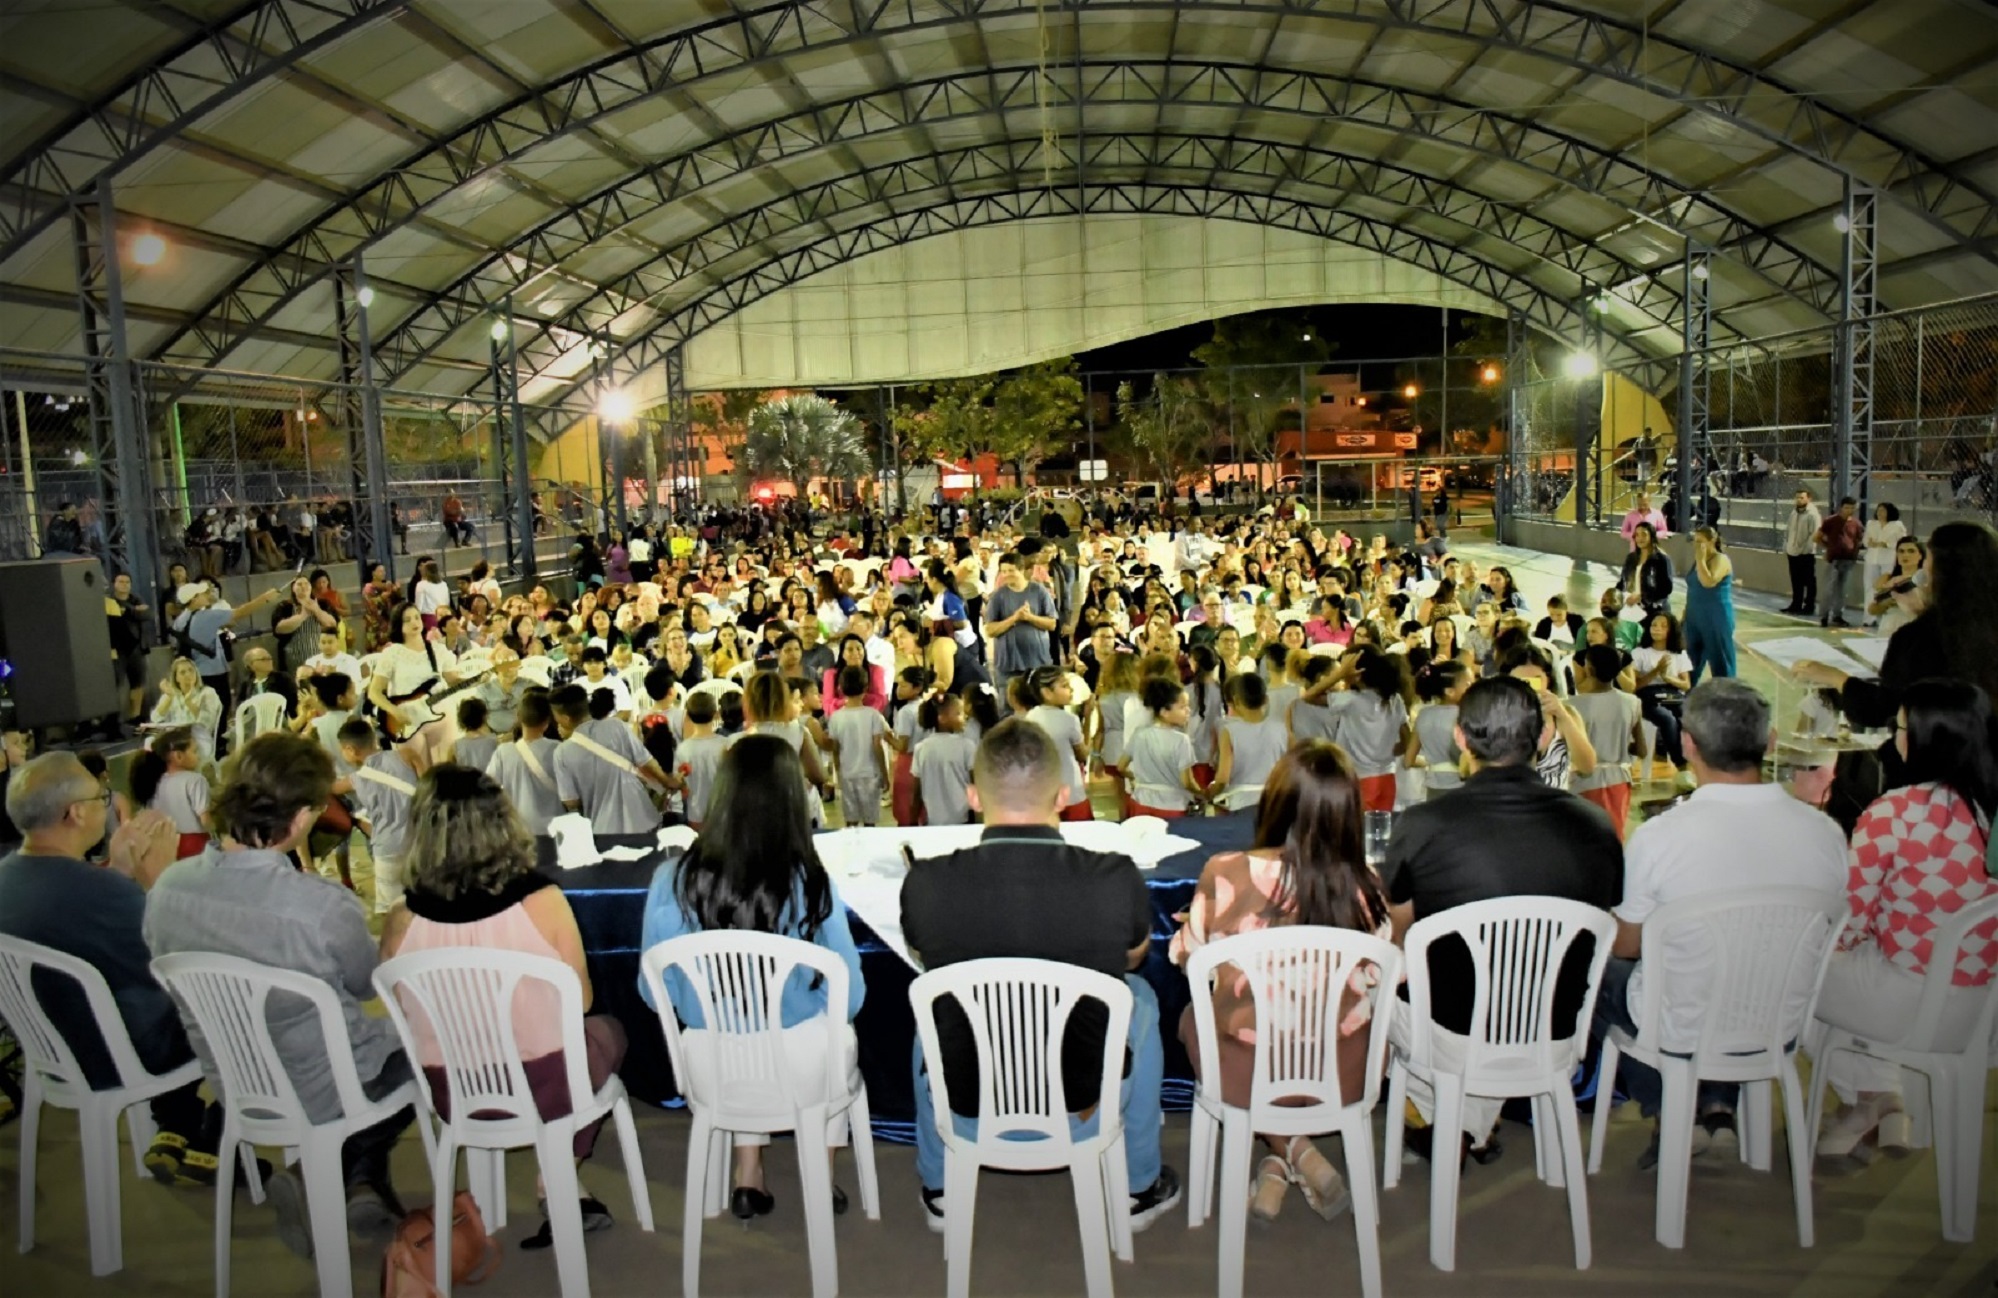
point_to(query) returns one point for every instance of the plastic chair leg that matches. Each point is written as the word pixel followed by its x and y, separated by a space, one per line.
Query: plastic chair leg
pixel 1957 1091
pixel 101 1186
pixel 960 1202
pixel 326 1204
pixel 1397 1111
pixel 1675 1150
pixel 815 1182
pixel 1758 1134
pixel 1200 1165
pixel 225 1202
pixel 31 1126
pixel 720 1144
pixel 1117 1198
pixel 443 1185
pixel 1091 1216
pixel 143 1131
pixel 861 1139
pixel 1567 1126
pixel 252 1178
pixel 555 1145
pixel 485 1177
pixel 693 1208
pixel 1803 1150
pixel 1359 1142
pixel 1446 1139
pixel 634 1163
pixel 1599 1123
pixel 1232 1216
pixel 1548 1160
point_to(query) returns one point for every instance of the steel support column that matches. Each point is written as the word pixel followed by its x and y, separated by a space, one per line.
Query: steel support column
pixel 1695 396
pixel 1852 413
pixel 117 433
pixel 684 493
pixel 506 399
pixel 1589 405
pixel 1518 368
pixel 361 402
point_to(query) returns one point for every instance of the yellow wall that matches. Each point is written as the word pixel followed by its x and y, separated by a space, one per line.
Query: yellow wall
pixel 1627 411
pixel 572 457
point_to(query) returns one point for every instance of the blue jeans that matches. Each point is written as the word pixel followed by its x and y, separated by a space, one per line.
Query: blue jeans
pixel 1137 1102
pixel 1641 1081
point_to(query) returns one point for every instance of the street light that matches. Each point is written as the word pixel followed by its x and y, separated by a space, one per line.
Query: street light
pixel 1579 365
pixel 1489 374
pixel 499 330
pixel 616 407
pixel 148 250
pixel 365 295
pixel 1411 392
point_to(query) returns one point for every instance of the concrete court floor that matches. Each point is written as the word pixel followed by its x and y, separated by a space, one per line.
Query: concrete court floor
pixel 1877 1229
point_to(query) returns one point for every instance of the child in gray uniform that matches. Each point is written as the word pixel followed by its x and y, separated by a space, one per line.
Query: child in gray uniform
pixel 475 744
pixel 1251 742
pixel 698 757
pixel 856 731
pixel 600 768
pixel 525 766
pixel 384 783
pixel 942 763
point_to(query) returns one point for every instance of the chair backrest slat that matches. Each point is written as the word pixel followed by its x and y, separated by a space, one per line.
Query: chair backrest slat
pixel 1953 937
pixel 1758 956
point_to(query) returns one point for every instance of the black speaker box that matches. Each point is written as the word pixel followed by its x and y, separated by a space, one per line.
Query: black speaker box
pixel 54 633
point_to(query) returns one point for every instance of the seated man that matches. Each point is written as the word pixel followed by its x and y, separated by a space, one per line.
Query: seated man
pixel 1023 892
pixel 1734 833
pixel 51 896
pixel 250 900
pixel 1504 833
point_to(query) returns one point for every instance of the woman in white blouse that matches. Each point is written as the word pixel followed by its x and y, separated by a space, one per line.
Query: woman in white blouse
pixel 185 701
pixel 406 671
pixel 1883 534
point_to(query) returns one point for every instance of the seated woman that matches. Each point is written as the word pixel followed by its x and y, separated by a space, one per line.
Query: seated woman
pixel 1307 866
pixel 472 882
pixel 185 701
pixel 754 867
pixel 1918 856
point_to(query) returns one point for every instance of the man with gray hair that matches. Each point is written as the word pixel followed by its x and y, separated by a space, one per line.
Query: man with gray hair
pixel 1735 833
pixel 51 896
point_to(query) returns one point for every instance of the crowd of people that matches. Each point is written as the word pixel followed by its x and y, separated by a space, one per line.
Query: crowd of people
pixel 748 676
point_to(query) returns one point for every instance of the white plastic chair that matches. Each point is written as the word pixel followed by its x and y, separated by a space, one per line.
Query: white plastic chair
pixel 51 1076
pixel 1517 946
pixel 1297 976
pixel 254 717
pixel 466 995
pixel 1018 1011
pixel 747 1083
pixel 225 997
pixel 1769 951
pixel 1951 1114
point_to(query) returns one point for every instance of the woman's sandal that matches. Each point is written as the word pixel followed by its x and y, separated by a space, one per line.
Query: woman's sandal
pixel 1272 1184
pixel 1324 1189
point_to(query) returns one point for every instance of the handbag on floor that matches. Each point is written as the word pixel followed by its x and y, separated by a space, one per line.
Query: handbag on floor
pixel 410 1268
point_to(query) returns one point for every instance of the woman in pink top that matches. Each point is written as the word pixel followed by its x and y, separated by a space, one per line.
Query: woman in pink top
pixel 1308 866
pixel 472 882
pixel 1918 856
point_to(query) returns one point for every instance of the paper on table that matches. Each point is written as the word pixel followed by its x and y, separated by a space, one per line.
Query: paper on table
pixel 680 836
pixel 626 853
pixel 1787 651
pixel 1871 650
pixel 575 841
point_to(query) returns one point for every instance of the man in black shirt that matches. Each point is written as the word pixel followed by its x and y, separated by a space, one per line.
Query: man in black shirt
pixel 1503 834
pixel 1024 893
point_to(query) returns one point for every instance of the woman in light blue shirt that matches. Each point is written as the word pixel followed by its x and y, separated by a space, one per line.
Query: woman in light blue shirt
pixel 754 867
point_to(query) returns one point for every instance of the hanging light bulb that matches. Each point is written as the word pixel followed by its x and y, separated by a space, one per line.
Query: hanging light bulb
pixel 365 295
pixel 499 331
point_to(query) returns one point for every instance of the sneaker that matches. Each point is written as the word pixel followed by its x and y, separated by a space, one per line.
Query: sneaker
pixel 1702 1142
pixel 163 1157
pixel 1155 1200
pixel 198 1170
pixel 1720 1132
pixel 371 1211
pixel 933 1210
pixel 294 1222
pixel 1854 1123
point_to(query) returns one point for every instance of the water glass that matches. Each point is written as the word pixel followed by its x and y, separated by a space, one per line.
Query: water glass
pixel 1379 829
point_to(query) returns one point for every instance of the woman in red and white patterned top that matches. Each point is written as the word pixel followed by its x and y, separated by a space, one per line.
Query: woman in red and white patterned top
pixel 1918 856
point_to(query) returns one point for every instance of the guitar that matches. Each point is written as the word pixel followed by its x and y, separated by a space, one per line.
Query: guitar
pixel 426 696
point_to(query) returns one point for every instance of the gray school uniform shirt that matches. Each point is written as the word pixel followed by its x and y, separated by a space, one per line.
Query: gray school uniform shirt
pixel 857 732
pixel 942 767
pixel 1311 720
pixel 613 800
pixel 386 808
pixel 1435 730
pixel 534 798
pixel 1065 728
pixel 475 751
pixel 696 760
pixel 1257 746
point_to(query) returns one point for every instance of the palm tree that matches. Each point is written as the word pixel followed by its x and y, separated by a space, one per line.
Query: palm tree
pixel 799 438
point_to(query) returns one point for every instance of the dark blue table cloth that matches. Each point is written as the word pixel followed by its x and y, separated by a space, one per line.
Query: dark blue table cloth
pixel 609 901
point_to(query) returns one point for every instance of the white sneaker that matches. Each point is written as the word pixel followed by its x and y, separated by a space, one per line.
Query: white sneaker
pixel 1854 1123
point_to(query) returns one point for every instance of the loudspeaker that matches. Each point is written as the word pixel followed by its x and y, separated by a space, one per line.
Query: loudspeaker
pixel 54 632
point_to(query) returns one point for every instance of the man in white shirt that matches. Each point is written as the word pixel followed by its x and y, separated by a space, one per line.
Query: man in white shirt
pixel 1734 834
pixel 331 659
pixel 1800 540
pixel 880 652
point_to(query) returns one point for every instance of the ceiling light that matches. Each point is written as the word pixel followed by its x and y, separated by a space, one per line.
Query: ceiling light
pixel 1842 223
pixel 1699 270
pixel 1580 365
pixel 365 295
pixel 148 250
pixel 616 407
pixel 499 331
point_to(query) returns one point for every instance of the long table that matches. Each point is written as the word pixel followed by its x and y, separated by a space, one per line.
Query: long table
pixel 609 901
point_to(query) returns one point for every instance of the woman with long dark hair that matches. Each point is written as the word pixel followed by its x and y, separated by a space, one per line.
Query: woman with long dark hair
pixel 1307 865
pixel 472 882
pixel 1918 856
pixel 755 868
pixel 1664 674
pixel 1647 579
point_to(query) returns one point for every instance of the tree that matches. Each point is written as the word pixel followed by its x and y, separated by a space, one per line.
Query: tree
pixel 956 421
pixel 1037 410
pixel 1256 369
pixel 724 416
pixel 799 438
pixel 1169 430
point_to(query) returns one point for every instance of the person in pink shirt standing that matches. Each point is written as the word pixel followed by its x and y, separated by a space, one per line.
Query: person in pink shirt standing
pixel 1643 512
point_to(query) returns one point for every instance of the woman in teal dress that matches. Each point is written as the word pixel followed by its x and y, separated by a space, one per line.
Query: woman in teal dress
pixel 1709 624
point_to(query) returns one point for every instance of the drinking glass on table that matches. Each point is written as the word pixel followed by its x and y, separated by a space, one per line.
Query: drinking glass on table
pixel 1379 829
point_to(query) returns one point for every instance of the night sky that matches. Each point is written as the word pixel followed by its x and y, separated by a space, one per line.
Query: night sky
pixel 1357 332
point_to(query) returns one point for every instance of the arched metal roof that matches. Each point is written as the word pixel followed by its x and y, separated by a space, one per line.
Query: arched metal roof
pixel 636 171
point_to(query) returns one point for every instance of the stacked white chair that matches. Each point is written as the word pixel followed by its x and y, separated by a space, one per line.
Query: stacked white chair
pixel 1769 951
pixel 226 998
pixel 1517 946
pixel 745 1081
pixel 1297 977
pixel 50 1075
pixel 466 995
pixel 1018 1011
pixel 1951 1114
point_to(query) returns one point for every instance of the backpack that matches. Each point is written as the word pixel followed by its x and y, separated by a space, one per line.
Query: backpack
pixel 184 644
pixel 409 1269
